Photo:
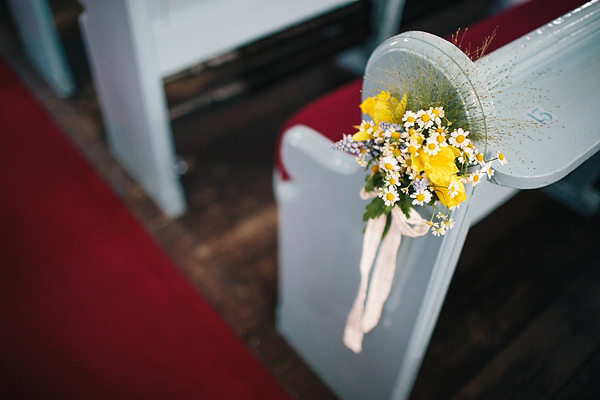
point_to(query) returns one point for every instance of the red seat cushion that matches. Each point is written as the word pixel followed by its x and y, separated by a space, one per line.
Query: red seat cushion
pixel 331 115
pixel 337 112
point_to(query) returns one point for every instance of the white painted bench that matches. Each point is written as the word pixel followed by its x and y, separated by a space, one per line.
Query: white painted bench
pixel 41 42
pixel 133 44
pixel 320 227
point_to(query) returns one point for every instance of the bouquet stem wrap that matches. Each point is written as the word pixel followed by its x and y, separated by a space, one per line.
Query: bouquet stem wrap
pixel 364 316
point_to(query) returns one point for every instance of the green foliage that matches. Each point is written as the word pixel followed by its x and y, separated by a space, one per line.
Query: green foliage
pixel 377 208
pixel 374 209
pixel 388 223
pixel 374 181
pixel 405 205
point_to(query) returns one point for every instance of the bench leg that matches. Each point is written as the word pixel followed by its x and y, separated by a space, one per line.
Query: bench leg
pixel 38 33
pixel 119 39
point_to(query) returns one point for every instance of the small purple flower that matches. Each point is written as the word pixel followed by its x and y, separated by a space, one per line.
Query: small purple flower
pixel 394 127
pixel 420 184
pixel 348 145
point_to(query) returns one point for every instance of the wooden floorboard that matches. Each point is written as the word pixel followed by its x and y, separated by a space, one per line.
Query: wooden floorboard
pixel 585 383
pixel 542 359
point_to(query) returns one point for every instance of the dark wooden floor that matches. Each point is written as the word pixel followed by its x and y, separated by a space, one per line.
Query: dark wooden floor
pixel 521 319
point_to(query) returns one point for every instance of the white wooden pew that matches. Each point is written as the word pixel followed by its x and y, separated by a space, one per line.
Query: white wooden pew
pixel 133 44
pixel 41 42
pixel 320 227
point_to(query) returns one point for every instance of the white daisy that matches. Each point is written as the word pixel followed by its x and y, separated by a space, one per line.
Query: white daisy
pixel 388 149
pixel 431 147
pixel 412 174
pixel 416 134
pixel 405 164
pixel 501 158
pixel 389 195
pixel 439 134
pixel 449 224
pixel 388 132
pixel 477 177
pixel 412 147
pixel 458 138
pixel 421 197
pixel 453 189
pixel 425 119
pixel 367 127
pixel 469 150
pixel 480 158
pixel 488 170
pixel 397 153
pixel 378 135
pixel 392 178
pixel 442 130
pixel 409 119
pixel 396 134
pixel 439 113
pixel 389 164
pixel 438 230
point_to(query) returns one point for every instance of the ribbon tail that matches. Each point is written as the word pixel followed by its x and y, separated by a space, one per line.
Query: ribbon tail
pixel 363 318
pixel 383 275
pixel 353 333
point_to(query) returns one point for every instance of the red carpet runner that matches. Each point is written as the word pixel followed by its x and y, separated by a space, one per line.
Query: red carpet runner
pixel 90 307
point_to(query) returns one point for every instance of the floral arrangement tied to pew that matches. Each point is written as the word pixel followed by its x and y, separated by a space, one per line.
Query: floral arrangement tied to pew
pixel 415 158
pixel 419 150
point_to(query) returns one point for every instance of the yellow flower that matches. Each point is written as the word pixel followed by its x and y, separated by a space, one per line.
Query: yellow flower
pixel 419 161
pixel 401 107
pixel 445 199
pixel 383 113
pixel 384 96
pixel 361 135
pixel 455 151
pixel 368 106
pixel 384 107
pixel 366 130
pixel 443 193
pixel 441 168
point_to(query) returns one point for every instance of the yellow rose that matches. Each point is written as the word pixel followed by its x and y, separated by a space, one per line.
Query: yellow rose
pixel 368 106
pixel 392 102
pixel 384 96
pixel 441 168
pixel 455 151
pixel 443 194
pixel 382 113
pixel 419 162
pixel 401 108
pixel 384 107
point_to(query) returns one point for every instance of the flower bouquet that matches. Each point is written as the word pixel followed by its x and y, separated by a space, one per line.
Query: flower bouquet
pixel 424 137
pixel 415 158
